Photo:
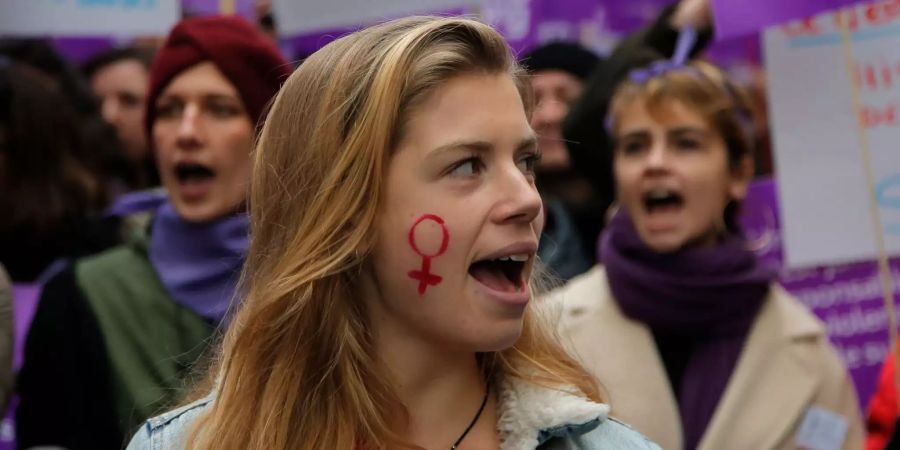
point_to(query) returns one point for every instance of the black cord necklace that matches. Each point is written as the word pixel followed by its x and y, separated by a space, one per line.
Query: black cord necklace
pixel 487 390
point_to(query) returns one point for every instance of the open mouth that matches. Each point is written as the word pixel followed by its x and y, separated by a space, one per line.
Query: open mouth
pixel 662 200
pixel 188 173
pixel 504 274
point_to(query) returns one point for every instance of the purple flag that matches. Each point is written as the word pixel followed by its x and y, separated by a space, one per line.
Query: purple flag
pixel 735 18
pixel 25 299
pixel 207 7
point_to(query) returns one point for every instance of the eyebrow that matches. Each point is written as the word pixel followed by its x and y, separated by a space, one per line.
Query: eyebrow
pixel 483 146
pixel 686 130
pixel 643 133
pixel 203 96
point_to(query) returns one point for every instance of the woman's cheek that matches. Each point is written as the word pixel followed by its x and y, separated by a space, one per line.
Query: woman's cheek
pixel 429 238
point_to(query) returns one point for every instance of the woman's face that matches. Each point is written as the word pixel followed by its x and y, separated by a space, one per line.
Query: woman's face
pixel 203 138
pixel 554 92
pixel 122 90
pixel 461 218
pixel 673 176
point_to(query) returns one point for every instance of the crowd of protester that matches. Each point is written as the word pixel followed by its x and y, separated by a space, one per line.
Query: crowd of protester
pixel 412 239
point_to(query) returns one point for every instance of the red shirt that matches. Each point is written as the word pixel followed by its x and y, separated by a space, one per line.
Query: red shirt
pixel 882 412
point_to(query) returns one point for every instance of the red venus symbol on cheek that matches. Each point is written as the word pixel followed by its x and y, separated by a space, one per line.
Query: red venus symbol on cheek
pixel 424 275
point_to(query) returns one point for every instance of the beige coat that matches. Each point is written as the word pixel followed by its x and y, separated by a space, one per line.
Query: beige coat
pixel 787 366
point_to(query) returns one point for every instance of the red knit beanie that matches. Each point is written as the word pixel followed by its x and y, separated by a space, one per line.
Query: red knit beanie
pixel 246 56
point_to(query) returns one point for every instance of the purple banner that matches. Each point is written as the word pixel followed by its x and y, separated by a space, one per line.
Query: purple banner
pixel 735 18
pixel 848 299
pixel 528 23
pixel 301 46
pixel 208 7
pixel 596 24
pixel 80 49
pixel 25 300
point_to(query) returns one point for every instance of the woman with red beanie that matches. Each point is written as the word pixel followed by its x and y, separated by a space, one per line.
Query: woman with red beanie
pixel 116 334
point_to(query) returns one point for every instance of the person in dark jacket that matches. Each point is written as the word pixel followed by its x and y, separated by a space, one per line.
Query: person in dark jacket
pixel 557 72
pixel 52 195
pixel 101 149
pixel 116 335
pixel 119 78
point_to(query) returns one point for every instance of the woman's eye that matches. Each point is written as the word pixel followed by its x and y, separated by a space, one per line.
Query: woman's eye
pixel 631 147
pixel 466 168
pixel 222 110
pixel 687 144
pixel 129 101
pixel 528 163
pixel 168 110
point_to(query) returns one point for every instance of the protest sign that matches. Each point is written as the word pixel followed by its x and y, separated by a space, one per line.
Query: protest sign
pixel 824 192
pixel 88 17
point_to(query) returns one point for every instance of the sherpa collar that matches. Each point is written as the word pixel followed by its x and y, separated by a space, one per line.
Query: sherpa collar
pixel 530 414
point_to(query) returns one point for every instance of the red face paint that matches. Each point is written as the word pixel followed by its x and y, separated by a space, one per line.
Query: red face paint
pixel 424 275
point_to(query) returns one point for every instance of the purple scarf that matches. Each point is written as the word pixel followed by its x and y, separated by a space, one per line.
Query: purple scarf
pixel 706 296
pixel 198 263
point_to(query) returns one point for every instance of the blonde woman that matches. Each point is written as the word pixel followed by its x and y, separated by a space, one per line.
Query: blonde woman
pixel 388 284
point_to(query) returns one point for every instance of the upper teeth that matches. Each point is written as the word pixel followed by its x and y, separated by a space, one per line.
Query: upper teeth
pixel 659 194
pixel 517 258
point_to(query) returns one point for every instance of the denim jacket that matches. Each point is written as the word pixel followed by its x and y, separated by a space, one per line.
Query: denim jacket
pixel 531 417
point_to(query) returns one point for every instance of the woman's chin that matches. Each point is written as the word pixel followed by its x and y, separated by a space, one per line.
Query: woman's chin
pixel 662 242
pixel 500 338
pixel 199 212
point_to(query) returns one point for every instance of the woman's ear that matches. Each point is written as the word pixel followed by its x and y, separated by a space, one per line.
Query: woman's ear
pixel 741 176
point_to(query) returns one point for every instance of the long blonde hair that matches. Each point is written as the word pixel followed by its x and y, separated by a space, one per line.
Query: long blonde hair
pixel 298 368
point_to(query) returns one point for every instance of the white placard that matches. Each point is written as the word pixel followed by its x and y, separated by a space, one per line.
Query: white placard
pixel 303 16
pixel 823 191
pixel 87 17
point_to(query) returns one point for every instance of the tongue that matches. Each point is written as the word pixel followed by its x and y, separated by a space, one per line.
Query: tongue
pixel 665 207
pixel 492 277
pixel 195 178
